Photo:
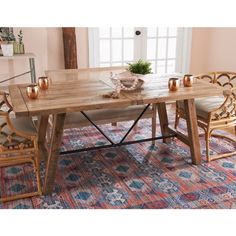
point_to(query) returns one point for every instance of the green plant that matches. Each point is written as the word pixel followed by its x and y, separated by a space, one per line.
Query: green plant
pixel 7 35
pixel 20 37
pixel 140 67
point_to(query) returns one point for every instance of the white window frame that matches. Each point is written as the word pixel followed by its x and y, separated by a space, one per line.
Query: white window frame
pixel 183 48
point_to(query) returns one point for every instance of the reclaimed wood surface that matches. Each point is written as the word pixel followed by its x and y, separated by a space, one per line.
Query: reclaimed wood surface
pixel 51 167
pixel 192 127
pixel 82 95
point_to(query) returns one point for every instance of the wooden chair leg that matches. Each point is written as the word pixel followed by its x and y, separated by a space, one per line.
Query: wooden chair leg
pixel 207 139
pixel 154 122
pixel 36 168
pixel 37 172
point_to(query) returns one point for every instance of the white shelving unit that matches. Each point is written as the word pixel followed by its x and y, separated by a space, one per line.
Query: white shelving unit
pixel 26 56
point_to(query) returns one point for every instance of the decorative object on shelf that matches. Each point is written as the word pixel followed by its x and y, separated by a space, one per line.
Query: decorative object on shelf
pixel 43 82
pixel 7 39
pixel 188 80
pixel 19 46
pixel 140 67
pixel 32 91
pixel 173 84
pixel 126 81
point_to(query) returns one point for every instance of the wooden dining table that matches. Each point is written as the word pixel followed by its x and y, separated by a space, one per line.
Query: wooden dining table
pixel 83 90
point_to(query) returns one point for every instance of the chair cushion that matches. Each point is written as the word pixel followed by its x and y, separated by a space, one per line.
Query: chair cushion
pixel 24 124
pixel 8 138
pixel 102 116
pixel 205 105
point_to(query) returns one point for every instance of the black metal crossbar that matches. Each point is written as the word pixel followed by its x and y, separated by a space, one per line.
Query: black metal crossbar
pixel 116 144
pixel 121 143
pixel 135 122
pixel 86 116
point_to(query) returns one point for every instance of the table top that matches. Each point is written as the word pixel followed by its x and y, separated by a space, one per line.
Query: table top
pixel 77 91
pixel 19 56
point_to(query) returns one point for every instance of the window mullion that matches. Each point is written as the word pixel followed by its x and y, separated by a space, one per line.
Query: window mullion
pixel 167 36
pixel 156 50
pixel 122 46
pixel 110 47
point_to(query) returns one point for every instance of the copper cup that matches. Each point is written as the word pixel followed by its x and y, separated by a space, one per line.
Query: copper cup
pixel 43 83
pixel 32 91
pixel 173 84
pixel 188 80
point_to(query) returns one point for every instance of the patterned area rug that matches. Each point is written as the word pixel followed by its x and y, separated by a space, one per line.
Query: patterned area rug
pixel 135 176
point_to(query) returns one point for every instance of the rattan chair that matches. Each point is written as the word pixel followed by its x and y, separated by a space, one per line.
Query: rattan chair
pixel 215 113
pixel 18 145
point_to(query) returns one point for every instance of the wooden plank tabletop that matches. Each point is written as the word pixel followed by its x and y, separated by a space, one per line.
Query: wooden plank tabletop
pixel 65 97
pixel 155 90
pixel 73 94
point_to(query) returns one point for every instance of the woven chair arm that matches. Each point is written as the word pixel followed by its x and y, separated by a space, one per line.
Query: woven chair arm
pixel 5 97
pixel 227 108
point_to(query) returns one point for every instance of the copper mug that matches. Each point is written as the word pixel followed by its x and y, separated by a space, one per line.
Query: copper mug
pixel 188 80
pixel 32 91
pixel 43 82
pixel 173 84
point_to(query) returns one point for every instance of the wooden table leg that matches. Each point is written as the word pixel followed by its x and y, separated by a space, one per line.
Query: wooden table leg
pixel 57 131
pixel 191 118
pixel 162 113
pixel 154 121
pixel 42 130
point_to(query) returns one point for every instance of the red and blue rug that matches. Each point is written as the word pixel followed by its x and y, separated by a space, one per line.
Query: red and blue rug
pixel 135 176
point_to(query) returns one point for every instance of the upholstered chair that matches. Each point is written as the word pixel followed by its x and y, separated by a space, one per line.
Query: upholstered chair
pixel 18 145
pixel 215 113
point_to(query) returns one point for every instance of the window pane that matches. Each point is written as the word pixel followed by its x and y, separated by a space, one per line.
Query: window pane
pixel 116 32
pixel 170 66
pixel 151 48
pixel 161 67
pixel 116 50
pixel 128 32
pixel 151 32
pixel 162 32
pixel 104 50
pixel 171 47
pixel 161 51
pixel 128 49
pixel 172 31
pixel 153 66
pixel 104 32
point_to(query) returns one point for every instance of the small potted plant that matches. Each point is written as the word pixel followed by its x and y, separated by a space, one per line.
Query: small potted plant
pixel 140 67
pixel 7 39
pixel 19 45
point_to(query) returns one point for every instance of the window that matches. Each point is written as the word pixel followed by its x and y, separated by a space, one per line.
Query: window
pixel 166 48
